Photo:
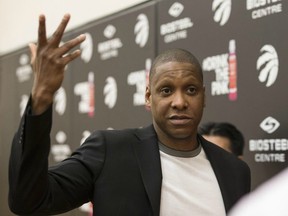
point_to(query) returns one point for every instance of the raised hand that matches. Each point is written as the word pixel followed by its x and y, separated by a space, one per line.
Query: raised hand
pixel 48 61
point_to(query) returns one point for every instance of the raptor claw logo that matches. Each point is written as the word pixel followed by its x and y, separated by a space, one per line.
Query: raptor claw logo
pixel 141 30
pixel 87 48
pixel 268 63
pixel 222 9
pixel 110 92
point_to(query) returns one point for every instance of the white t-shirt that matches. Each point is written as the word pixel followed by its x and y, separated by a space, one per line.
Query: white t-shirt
pixel 189 185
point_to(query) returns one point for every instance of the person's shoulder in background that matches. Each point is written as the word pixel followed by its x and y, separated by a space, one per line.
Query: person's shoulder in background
pixel 269 199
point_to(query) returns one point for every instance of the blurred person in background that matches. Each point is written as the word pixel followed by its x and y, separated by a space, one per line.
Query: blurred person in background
pixel 225 135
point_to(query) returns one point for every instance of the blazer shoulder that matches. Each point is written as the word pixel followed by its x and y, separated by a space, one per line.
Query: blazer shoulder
pixel 216 153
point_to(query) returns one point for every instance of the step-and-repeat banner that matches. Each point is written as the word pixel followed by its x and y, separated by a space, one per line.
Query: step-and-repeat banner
pixel 242 46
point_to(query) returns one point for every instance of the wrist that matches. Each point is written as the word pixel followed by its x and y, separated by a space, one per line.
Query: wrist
pixel 41 100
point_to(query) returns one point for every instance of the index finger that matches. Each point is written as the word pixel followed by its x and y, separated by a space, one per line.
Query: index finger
pixel 42 31
pixel 57 35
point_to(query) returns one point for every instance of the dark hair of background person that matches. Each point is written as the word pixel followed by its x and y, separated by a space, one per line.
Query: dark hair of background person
pixel 225 129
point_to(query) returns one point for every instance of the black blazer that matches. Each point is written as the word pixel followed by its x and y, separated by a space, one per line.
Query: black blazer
pixel 118 170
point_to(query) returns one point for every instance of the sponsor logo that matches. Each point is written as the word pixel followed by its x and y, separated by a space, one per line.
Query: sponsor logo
pixel 177 29
pixel 141 30
pixel 232 62
pixel 225 68
pixel 87 48
pixel 219 65
pixel 222 11
pixel 86 92
pixel 60 151
pixel 109 49
pixel 110 92
pixel 263 8
pixel 82 90
pixel 268 65
pixel 269 124
pixel 139 79
pixel 176 9
pixel 91 87
pixel 24 71
pixel 269 150
pixel 60 101
pixel 109 31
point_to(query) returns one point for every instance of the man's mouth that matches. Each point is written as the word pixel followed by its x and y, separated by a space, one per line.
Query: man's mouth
pixel 179 119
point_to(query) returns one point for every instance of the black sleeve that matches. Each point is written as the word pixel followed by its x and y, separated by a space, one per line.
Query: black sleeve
pixel 35 189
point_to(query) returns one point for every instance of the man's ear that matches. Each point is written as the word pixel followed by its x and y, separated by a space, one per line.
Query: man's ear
pixel 147 98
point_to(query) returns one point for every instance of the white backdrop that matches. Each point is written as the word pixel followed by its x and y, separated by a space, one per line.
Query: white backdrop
pixel 19 19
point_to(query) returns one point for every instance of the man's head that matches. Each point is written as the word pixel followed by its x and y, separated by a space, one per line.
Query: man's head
pixel 175 55
pixel 176 95
pixel 224 135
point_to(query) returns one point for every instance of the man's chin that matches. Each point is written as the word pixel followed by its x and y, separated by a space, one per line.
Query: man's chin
pixel 181 135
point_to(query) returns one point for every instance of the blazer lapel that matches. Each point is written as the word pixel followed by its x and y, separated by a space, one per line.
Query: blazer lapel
pixel 148 158
pixel 218 164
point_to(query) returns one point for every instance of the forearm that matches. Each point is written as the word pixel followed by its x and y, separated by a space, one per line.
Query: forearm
pixel 35 189
pixel 28 164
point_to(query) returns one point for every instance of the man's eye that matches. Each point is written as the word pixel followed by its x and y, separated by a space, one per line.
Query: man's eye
pixel 166 91
pixel 191 90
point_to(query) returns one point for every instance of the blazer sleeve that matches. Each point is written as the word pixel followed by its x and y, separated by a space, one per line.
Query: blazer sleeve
pixel 35 189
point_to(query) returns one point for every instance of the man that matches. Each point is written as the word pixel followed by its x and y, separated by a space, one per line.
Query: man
pixel 163 169
pixel 225 135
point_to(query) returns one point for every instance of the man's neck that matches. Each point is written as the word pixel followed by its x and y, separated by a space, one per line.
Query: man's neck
pixel 180 144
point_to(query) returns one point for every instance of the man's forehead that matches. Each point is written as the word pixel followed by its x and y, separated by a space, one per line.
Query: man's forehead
pixel 174 65
pixel 174 68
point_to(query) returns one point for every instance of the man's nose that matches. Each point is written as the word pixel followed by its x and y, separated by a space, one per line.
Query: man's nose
pixel 179 101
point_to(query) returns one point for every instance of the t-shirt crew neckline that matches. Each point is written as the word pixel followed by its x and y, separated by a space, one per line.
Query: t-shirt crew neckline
pixel 177 153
